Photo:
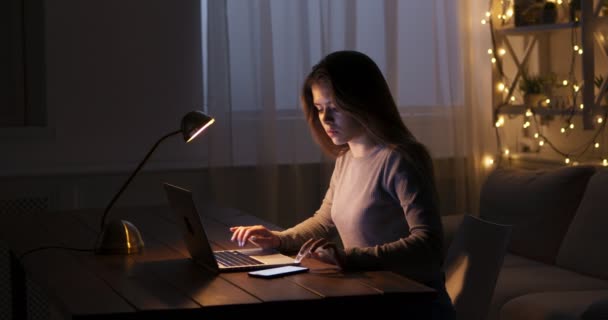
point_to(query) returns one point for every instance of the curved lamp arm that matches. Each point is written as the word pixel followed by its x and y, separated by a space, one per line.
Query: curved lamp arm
pixel 141 164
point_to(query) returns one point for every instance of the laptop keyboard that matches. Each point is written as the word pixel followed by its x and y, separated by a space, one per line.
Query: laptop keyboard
pixel 235 258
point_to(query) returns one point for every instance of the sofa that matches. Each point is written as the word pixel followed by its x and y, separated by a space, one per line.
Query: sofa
pixel 556 265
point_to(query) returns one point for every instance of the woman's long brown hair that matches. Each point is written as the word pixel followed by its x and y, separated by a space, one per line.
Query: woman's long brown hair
pixel 361 91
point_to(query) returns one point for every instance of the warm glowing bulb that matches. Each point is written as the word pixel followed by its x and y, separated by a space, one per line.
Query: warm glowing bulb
pixel 526 124
pixel 510 12
pixel 513 98
pixel 500 121
pixel 597 145
pixel 600 120
pixel 565 82
pixel 507 152
pixel 580 51
pixel 500 86
pixel 502 52
pixel 562 130
pixel 575 87
pixel 493 60
pixel 483 21
pixel 572 126
pixel 605 162
pixel 567 160
pixel 541 143
pixel 528 113
pixel 560 2
pixel 582 106
pixel 576 48
pixel 548 101
pixel 490 51
pixel 488 161
pixel 536 135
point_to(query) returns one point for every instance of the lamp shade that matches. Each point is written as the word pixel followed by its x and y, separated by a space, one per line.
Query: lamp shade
pixel 193 123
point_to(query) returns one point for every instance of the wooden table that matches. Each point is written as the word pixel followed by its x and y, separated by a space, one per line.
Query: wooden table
pixel 163 283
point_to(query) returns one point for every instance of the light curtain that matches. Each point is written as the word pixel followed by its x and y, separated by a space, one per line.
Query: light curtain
pixel 262 158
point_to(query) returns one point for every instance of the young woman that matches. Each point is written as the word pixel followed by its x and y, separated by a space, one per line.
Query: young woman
pixel 381 201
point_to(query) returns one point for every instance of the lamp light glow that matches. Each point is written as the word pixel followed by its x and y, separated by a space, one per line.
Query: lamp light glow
pixel 201 130
pixel 121 236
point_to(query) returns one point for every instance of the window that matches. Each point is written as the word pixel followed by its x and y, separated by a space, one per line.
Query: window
pixel 22 97
pixel 413 43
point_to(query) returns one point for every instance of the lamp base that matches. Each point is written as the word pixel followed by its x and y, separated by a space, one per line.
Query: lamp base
pixel 120 237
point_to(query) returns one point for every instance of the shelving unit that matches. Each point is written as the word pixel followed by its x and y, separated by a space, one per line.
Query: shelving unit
pixel 536 39
pixel 572 120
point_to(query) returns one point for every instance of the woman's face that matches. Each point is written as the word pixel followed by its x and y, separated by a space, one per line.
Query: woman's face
pixel 340 127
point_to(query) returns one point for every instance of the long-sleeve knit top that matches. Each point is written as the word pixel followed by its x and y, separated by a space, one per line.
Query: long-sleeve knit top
pixel 383 218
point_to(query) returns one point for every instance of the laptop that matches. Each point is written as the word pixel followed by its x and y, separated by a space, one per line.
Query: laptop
pixel 197 242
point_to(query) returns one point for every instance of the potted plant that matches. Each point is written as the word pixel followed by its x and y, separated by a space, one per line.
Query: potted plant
pixel 533 89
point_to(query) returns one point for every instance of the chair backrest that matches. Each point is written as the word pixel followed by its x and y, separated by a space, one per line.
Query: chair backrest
pixel 472 265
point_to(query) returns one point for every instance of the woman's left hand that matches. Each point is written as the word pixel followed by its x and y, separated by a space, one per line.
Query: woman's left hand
pixel 328 252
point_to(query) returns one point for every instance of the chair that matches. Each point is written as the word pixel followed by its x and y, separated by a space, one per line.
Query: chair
pixel 13 303
pixel 20 297
pixel 472 265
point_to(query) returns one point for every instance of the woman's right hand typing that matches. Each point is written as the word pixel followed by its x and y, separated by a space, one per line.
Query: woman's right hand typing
pixel 258 235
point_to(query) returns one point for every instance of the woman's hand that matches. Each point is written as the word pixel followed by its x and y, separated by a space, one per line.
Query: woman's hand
pixel 258 235
pixel 327 252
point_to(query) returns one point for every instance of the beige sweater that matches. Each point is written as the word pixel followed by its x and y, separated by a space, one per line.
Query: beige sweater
pixel 382 218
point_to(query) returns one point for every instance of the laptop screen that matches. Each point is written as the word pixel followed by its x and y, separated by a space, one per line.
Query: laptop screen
pixel 189 222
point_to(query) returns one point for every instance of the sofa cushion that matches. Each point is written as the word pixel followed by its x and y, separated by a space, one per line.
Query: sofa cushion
pixel 538 203
pixel 597 310
pixel 554 305
pixel 518 281
pixel 513 260
pixel 584 246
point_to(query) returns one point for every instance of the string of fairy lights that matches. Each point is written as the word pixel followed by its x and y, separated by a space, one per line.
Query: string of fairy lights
pixel 531 115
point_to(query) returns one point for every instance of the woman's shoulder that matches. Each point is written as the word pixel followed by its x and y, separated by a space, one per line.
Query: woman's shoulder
pixel 395 163
pixel 391 155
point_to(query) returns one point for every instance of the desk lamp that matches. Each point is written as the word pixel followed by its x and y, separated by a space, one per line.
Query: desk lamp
pixel 121 236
